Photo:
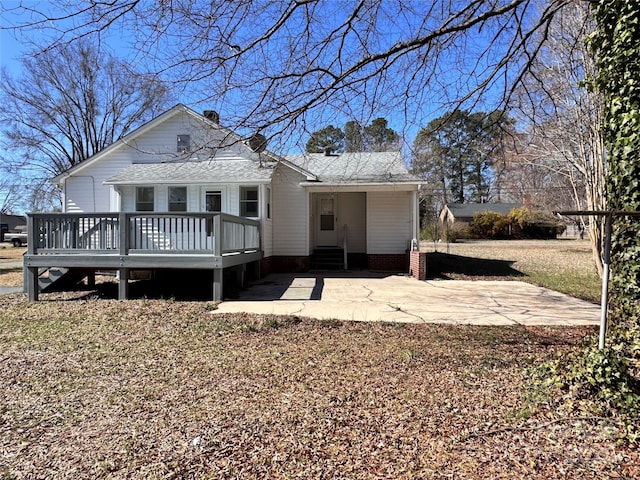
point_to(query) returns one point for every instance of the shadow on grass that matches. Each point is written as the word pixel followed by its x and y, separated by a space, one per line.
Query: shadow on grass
pixel 447 266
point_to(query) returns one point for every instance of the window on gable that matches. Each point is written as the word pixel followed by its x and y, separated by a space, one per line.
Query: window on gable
pixel 177 199
pixel 184 143
pixel 144 199
pixel 249 201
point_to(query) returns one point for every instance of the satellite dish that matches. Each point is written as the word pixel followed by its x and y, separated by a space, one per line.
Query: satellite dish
pixel 258 143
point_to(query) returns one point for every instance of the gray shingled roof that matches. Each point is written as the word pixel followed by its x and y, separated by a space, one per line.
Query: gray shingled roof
pixel 210 171
pixel 350 168
pixel 356 167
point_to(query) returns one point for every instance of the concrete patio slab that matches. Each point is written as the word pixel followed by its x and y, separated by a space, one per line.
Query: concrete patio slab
pixel 366 296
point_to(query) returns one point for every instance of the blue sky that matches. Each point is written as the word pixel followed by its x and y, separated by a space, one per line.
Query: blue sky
pixel 10 47
pixel 427 105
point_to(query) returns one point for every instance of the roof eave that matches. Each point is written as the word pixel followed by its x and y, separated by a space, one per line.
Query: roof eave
pixel 183 182
pixel 360 184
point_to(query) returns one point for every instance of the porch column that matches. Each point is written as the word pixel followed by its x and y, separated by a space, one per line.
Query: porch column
pixel 217 284
pixel 416 215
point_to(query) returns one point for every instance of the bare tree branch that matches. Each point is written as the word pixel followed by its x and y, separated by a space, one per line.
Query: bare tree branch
pixel 70 102
pixel 273 66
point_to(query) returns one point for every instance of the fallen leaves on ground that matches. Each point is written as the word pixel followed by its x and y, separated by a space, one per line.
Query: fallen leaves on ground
pixel 9 253
pixel 11 277
pixel 164 389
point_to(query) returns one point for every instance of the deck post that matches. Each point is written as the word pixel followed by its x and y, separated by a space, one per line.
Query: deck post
pixel 217 284
pixel 31 283
pixel 123 285
pixel 217 235
pixel 124 233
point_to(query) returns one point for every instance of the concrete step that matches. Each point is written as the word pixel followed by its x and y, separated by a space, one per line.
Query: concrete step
pixel 327 259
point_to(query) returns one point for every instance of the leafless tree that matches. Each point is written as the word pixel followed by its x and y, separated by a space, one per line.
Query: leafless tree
pixel 274 66
pixel 73 100
pixel 8 195
pixel 564 117
pixel 536 181
pixel 69 102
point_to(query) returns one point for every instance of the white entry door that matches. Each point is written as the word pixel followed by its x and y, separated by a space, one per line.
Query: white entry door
pixel 326 225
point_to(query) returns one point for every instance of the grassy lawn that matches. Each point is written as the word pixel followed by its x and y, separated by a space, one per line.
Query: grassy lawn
pixel 563 265
pixel 8 253
pixel 10 277
pixel 162 389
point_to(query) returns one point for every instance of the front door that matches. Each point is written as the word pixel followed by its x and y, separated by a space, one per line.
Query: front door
pixel 326 228
pixel 213 201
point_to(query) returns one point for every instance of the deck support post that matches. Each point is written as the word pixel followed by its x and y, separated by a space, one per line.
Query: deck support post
pixel 217 284
pixel 91 279
pixel 31 283
pixel 123 285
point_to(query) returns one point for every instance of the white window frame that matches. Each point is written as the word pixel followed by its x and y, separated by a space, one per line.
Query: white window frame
pixel 186 198
pixel 138 202
pixel 244 202
pixel 213 188
pixel 267 201
pixel 183 143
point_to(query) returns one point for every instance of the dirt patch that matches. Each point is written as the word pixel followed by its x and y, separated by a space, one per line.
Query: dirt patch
pixel 566 266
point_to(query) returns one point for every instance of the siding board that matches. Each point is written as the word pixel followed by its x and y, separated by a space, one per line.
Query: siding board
pixel 352 209
pixel 389 220
pixel 290 213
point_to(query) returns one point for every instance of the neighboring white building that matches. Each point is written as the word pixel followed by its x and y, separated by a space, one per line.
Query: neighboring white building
pixel 186 162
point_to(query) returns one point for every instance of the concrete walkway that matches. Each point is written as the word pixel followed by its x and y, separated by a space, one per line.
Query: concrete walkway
pixel 364 296
pixel 12 265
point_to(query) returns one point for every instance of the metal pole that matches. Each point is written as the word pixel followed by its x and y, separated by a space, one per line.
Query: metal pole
pixel 604 302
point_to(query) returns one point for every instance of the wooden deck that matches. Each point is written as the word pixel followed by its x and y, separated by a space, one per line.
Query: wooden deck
pixel 129 241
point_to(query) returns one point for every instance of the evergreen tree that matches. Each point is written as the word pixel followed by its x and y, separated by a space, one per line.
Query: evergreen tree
pixel 378 137
pixel 457 153
pixel 328 138
pixel 353 135
pixel 375 137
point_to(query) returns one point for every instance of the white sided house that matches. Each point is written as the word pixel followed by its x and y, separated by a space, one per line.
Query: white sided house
pixel 184 192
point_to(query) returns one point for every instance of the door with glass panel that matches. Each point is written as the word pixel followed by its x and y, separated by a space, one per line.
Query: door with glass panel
pixel 326 223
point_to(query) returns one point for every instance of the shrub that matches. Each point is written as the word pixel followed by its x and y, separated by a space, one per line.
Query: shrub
pixel 445 233
pixel 430 232
pixel 535 223
pixel 490 225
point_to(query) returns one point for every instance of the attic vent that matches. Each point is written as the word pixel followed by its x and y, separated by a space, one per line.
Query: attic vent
pixel 212 115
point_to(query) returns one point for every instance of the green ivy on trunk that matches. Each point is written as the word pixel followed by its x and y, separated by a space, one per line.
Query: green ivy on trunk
pixel 618 51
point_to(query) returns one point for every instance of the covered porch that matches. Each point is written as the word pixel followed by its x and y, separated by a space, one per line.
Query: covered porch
pixel 371 227
pixel 125 242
